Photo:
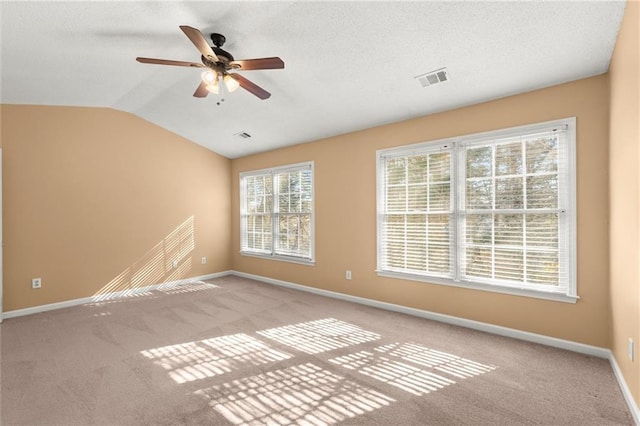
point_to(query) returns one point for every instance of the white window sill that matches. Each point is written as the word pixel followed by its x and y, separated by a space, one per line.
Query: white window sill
pixel 526 292
pixel 280 258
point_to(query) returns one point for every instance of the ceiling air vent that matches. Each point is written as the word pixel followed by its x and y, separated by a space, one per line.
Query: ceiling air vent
pixel 243 135
pixel 433 77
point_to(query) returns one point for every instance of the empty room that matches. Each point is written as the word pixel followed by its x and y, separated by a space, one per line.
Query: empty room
pixel 318 213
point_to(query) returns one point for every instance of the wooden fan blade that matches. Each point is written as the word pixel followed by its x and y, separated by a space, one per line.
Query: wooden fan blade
pixel 259 64
pixel 201 91
pixel 251 87
pixel 169 62
pixel 198 40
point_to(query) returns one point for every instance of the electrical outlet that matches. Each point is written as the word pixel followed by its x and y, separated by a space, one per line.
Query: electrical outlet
pixel 631 348
pixel 175 264
pixel 348 275
pixel 204 260
pixel 36 283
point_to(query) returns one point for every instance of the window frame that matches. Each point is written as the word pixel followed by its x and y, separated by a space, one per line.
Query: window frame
pixel 273 254
pixel 458 145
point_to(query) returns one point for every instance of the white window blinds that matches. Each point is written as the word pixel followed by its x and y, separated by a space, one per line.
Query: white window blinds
pixel 514 203
pixel 496 209
pixel 292 215
pixel 257 215
pixel 277 212
pixel 417 216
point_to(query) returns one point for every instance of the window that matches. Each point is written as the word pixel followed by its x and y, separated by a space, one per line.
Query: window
pixel 492 211
pixel 276 213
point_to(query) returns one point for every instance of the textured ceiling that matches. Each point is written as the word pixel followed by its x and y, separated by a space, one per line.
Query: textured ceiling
pixel 348 65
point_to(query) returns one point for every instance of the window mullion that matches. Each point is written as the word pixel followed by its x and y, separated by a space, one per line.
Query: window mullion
pixel 493 215
pixel 525 272
pixel 457 217
pixel 299 213
pixel 275 211
pixel 426 216
pixel 406 211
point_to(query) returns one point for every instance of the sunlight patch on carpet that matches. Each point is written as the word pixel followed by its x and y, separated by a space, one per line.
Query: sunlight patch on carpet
pixel 304 395
pixel 186 362
pixel 190 287
pixel 394 373
pixel 122 298
pixel 444 362
pixel 318 336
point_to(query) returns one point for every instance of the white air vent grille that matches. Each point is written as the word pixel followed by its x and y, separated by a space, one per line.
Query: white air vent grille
pixel 433 77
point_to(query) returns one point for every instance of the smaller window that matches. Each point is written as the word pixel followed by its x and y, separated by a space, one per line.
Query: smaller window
pixel 276 213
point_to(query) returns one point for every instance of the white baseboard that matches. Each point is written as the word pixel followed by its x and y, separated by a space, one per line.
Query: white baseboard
pixel 633 407
pixel 476 325
pixel 108 296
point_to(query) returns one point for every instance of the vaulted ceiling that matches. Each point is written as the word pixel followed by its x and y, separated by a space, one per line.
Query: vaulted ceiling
pixel 348 65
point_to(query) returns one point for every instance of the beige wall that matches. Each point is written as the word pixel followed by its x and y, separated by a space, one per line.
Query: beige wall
pixel 624 77
pixel 97 200
pixel 345 223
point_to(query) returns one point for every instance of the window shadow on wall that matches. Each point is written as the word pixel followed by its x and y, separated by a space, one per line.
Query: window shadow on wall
pixel 156 266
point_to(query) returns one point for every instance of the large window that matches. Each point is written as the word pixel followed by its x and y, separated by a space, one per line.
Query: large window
pixel 276 212
pixel 493 211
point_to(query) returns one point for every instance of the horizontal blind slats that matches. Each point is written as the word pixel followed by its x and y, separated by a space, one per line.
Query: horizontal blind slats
pixel 515 174
pixel 277 211
pixel 417 213
pixel 513 220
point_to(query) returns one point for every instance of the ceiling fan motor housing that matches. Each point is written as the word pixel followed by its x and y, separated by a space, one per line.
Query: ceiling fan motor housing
pixel 222 65
pixel 222 54
pixel 218 41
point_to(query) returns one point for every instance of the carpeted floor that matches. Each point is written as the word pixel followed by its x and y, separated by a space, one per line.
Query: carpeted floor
pixel 235 351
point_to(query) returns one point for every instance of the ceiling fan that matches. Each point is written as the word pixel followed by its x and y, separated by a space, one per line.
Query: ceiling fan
pixel 217 64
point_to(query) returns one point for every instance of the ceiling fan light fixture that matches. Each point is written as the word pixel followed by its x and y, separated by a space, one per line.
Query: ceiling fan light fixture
pixel 231 83
pixel 209 76
pixel 214 87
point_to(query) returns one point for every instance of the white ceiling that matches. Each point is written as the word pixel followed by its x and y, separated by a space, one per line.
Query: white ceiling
pixel 348 65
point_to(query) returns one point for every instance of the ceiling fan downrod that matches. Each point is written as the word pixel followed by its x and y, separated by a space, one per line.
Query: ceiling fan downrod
pixel 218 39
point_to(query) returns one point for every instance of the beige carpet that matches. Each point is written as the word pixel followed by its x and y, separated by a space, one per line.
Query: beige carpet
pixel 235 351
